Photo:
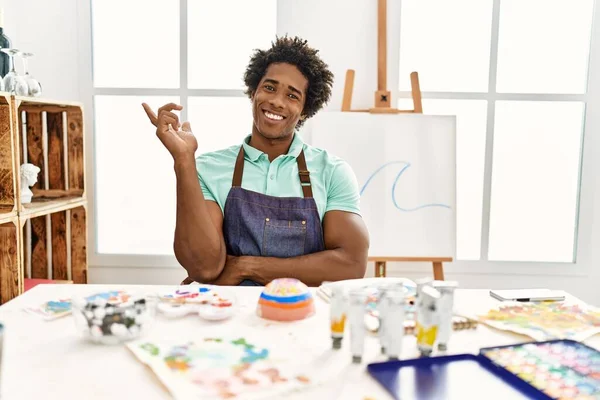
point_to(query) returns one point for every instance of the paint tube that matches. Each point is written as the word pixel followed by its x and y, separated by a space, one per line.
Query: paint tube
pixel 356 316
pixel 446 305
pixel 427 324
pixel 395 299
pixel 337 316
pixel 382 309
pixel 421 283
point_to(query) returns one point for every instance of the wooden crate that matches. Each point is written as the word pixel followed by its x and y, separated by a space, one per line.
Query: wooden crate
pixel 55 245
pixel 11 271
pixel 8 161
pixel 51 137
pixel 47 237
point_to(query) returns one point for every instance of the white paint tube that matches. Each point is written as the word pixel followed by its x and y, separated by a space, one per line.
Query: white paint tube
pixel 356 316
pixel 446 305
pixel 395 300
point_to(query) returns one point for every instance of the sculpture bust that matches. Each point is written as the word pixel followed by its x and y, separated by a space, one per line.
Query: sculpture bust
pixel 29 173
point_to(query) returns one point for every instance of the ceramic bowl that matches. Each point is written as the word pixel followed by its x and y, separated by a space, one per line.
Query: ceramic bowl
pixel 113 317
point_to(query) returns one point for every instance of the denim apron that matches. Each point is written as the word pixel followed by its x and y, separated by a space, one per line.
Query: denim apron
pixel 255 224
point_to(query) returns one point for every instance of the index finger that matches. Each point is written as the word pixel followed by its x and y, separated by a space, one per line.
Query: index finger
pixel 170 107
pixel 150 113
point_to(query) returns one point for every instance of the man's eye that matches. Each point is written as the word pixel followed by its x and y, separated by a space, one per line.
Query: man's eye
pixel 293 96
pixel 269 87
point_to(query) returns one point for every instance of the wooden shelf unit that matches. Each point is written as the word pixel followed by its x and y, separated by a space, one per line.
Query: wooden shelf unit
pixel 47 238
pixel 8 163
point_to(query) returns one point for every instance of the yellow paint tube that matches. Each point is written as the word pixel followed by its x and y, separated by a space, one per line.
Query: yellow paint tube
pixel 427 323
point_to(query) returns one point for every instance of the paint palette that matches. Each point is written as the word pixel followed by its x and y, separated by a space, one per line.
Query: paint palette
pixel 200 294
pixel 209 302
pixel 562 369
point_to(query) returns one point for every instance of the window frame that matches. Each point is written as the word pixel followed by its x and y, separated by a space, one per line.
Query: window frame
pixel 582 248
pixel 89 92
pixel 589 183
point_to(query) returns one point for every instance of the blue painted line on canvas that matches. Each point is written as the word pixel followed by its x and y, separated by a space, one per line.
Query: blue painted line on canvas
pixel 396 180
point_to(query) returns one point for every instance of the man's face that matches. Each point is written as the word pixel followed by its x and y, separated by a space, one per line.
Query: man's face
pixel 278 101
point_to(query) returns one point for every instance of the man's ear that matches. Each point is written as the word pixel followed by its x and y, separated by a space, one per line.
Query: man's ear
pixel 302 117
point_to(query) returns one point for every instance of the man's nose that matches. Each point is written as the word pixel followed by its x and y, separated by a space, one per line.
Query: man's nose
pixel 277 101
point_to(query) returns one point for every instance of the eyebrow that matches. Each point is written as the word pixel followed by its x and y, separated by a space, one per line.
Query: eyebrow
pixel 273 81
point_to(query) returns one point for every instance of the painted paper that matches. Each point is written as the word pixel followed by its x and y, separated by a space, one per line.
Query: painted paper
pixel 220 368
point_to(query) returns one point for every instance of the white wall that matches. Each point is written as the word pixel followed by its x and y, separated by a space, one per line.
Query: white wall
pixel 48 29
pixel 57 31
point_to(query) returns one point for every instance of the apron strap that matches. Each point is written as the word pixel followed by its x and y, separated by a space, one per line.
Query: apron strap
pixel 304 175
pixel 238 172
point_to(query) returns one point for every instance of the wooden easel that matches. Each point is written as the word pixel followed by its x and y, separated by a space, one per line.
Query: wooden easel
pixel 382 94
pixel 438 268
pixel 382 106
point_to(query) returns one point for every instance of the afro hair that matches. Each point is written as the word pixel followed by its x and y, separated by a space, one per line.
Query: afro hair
pixel 294 51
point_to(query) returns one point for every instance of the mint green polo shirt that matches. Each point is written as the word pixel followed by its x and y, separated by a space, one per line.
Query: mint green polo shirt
pixel 333 182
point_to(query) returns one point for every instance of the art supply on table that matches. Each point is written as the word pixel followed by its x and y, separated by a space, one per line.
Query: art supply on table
pixel 461 376
pixel 223 367
pixel 337 310
pixel 393 320
pixel 446 306
pixel 324 290
pixel 544 321
pixel 382 310
pixel 52 309
pixel 112 317
pixel 427 323
pixel 458 324
pixel 421 283
pixel 285 299
pixel 527 295
pixel 356 316
pixel 200 294
pixel 556 369
pixel 210 302
pixel 562 369
pixel 176 310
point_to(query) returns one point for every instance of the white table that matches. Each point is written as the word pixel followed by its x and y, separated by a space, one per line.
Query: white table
pixel 47 359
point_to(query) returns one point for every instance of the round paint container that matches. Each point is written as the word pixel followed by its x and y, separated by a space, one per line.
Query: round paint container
pixel 285 299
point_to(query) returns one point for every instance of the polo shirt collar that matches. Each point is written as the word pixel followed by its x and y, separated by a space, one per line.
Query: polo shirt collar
pixel 254 154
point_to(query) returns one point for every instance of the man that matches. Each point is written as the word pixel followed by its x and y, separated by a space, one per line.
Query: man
pixel 274 206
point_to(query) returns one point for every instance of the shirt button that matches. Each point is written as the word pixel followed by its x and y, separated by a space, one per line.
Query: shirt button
pixel 272 177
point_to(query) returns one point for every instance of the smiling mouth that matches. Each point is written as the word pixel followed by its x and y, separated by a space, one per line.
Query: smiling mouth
pixel 273 117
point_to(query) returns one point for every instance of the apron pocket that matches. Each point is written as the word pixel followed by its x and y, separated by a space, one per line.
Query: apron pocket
pixel 283 238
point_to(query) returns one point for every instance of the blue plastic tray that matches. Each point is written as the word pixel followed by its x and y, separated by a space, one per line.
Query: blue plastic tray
pixel 456 377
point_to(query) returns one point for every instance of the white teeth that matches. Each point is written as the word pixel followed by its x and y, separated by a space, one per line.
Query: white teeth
pixel 273 116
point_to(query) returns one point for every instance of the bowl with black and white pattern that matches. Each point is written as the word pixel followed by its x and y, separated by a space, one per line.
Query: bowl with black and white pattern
pixel 113 317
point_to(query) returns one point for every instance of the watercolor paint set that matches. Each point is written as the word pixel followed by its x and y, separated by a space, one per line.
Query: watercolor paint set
pixel 556 369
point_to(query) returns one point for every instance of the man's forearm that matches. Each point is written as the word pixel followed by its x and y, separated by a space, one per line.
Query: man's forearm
pixel 198 244
pixel 312 269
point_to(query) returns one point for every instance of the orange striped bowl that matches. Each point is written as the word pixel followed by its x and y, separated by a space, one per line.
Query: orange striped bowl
pixel 285 299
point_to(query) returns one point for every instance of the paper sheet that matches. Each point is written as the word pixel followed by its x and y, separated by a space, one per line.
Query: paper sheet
pixel 222 367
pixel 545 321
pixel 52 309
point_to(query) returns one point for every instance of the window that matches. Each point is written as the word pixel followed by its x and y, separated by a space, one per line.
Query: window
pixel 519 94
pixel 184 51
